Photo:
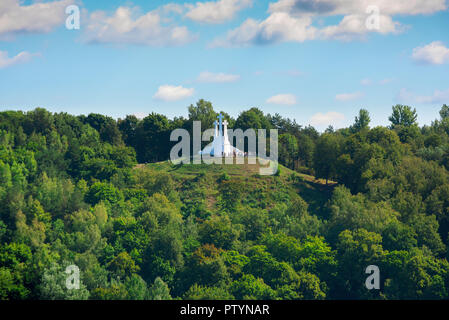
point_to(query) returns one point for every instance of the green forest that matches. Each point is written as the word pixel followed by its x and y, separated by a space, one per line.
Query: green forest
pixel 100 193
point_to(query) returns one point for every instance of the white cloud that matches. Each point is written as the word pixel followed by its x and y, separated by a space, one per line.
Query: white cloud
pixel 354 26
pixel 284 99
pixel 173 93
pixel 292 20
pixel 127 26
pixel 217 77
pixel 348 96
pixel 216 11
pixel 338 7
pixel 406 96
pixel 325 119
pixel 22 57
pixel 278 27
pixel 437 97
pixel 433 53
pixel 39 17
pixel 366 82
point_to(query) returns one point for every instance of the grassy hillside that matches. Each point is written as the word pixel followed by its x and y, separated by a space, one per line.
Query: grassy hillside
pixel 256 190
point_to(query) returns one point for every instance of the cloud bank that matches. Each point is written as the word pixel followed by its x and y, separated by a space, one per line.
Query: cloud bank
pixel 292 20
pixel 128 25
pixel 216 11
pixel 39 17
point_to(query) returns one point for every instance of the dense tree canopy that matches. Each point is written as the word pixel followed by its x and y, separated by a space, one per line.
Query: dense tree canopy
pixel 98 193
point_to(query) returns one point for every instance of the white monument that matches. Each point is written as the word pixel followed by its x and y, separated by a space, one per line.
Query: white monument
pixel 220 146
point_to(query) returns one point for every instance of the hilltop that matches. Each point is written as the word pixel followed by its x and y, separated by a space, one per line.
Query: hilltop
pixel 252 188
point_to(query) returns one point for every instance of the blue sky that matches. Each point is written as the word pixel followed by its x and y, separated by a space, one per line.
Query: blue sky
pixel 315 61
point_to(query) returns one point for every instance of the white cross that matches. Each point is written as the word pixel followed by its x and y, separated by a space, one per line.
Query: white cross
pixel 220 117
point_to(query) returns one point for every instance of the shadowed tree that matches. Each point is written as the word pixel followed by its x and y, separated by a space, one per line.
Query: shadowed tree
pixel 152 137
pixel 325 156
pixel 444 112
